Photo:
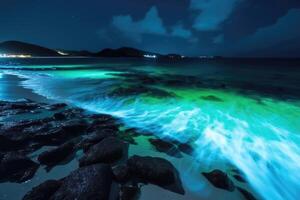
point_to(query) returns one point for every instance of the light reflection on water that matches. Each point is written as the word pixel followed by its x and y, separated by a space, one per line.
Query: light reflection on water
pixel 260 138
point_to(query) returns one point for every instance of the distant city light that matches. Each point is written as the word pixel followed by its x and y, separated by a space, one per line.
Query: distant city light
pixel 62 53
pixel 14 56
pixel 206 57
pixel 149 56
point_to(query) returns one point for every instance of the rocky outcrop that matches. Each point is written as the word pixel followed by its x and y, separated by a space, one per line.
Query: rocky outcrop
pixel 157 171
pixel 220 180
pixel 166 147
pixel 43 191
pixel 105 161
pixel 91 182
pixel 108 150
pixel 16 167
pixel 56 155
pixel 246 194
pixel 129 192
pixel 121 173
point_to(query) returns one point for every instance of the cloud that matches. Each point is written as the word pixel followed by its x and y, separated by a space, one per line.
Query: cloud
pixel 250 15
pixel 211 13
pixel 151 24
pixel 286 28
pixel 218 39
pixel 180 31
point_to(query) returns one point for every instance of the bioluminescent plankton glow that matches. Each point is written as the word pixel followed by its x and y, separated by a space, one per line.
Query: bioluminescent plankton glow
pixel 253 133
pixel 143 100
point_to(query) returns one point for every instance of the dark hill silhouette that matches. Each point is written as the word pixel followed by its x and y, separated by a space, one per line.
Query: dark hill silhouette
pixel 16 47
pixel 124 52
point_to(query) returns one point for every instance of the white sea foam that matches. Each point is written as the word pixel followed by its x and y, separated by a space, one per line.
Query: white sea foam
pixel 265 153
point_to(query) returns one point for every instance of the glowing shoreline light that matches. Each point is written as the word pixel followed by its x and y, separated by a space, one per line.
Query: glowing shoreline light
pixel 258 136
pixel 14 56
pixel 149 56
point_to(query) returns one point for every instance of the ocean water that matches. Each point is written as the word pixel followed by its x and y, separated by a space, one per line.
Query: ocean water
pixel 237 113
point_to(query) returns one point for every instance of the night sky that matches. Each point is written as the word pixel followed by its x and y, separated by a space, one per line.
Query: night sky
pixel 189 27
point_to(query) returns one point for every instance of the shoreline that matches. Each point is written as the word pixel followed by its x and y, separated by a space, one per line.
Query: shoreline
pixel 62 169
pixel 10 85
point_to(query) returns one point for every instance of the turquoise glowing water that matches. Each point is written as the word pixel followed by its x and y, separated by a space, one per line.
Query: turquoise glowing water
pixel 238 115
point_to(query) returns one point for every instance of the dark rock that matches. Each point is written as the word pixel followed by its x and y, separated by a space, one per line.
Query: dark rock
pixel 7 144
pixel 238 175
pixel 21 106
pixel 166 147
pixel 57 106
pixel 15 167
pixel 102 118
pixel 212 98
pixel 43 191
pixel 96 137
pixel 91 182
pixel 129 192
pixel 220 180
pixel 121 173
pixel 156 171
pixel 62 132
pixel 186 148
pixel 239 178
pixel 57 155
pixel 246 194
pixel 59 116
pixel 108 150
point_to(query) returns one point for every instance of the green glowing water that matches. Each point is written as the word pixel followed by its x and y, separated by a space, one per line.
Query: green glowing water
pixel 235 118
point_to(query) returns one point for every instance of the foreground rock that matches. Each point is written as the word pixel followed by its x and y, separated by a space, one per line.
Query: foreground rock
pixel 220 180
pixel 246 194
pixel 97 136
pixel 56 155
pixel 91 182
pixel 166 147
pixel 43 191
pixel 157 171
pixel 129 192
pixel 108 150
pixel 61 133
pixel 15 167
pixel 121 173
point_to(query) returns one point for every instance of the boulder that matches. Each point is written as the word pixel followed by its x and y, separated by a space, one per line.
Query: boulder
pixel 186 148
pixel 108 150
pixel 239 178
pixel 56 155
pixel 62 132
pixel 121 173
pixel 7 144
pixel 57 106
pixel 157 171
pixel 16 167
pixel 91 182
pixel 43 191
pixel 166 147
pixel 129 192
pixel 220 180
pixel 96 137
pixel 59 116
pixel 246 194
